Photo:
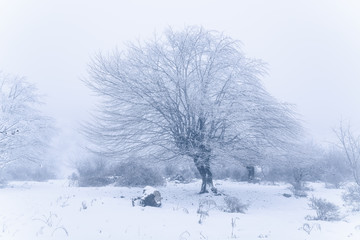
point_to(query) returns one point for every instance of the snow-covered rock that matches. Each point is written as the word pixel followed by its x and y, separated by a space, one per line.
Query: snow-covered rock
pixel 151 197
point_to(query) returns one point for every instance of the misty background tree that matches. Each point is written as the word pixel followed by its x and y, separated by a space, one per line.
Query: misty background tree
pixel 350 145
pixel 24 132
pixel 190 93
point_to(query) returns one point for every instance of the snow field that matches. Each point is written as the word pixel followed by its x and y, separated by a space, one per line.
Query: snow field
pixel 54 210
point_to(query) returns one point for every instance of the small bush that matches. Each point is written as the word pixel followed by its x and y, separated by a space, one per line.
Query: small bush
pixel 93 174
pixel 276 174
pixel 73 180
pixel 298 178
pixel 325 210
pixel 298 184
pixel 234 205
pixel 136 175
pixel 239 174
pixel 333 177
pixel 170 171
pixel 94 181
pixel 30 173
pixel 42 174
pixel 299 188
pixel 233 172
pixel 298 192
pixel 221 172
pixel 205 205
pixel 179 174
pixel 337 170
pixel 333 180
pixel 352 197
pixel 98 172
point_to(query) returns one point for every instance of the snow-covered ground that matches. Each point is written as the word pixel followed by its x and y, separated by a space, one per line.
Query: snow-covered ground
pixel 55 210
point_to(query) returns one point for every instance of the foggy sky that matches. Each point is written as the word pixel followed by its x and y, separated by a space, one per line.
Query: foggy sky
pixel 311 47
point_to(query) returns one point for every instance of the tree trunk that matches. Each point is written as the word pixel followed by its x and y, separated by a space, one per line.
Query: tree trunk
pixel 251 173
pixel 206 177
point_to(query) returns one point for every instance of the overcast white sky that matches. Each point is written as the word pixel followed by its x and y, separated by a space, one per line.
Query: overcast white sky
pixel 312 47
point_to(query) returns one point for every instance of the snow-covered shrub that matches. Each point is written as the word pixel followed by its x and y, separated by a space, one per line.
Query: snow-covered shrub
pixel 333 179
pixel 296 166
pixel 299 189
pixel 298 181
pixel 276 174
pixel 325 210
pixel 352 197
pixel 132 174
pixel 233 205
pixel 183 174
pixel 95 181
pixel 73 180
pixel 298 193
pixel 234 172
pixel 93 174
pixel 170 170
pixel 205 205
pixel 221 172
pixel 314 165
pixel 298 185
pixel 43 174
pixel 30 173
pixel 294 175
pixel 239 174
pixel 336 171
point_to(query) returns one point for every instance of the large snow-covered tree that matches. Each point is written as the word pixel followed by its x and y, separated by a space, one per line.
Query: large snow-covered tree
pixel 24 131
pixel 186 93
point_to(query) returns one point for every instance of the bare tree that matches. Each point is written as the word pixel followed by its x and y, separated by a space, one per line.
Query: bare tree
pixel 24 131
pixel 191 93
pixel 350 144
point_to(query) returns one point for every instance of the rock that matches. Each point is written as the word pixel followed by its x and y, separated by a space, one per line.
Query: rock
pixel 287 195
pixel 151 197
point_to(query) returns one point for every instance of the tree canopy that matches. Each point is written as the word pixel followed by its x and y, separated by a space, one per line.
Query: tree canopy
pixel 186 93
pixel 24 131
